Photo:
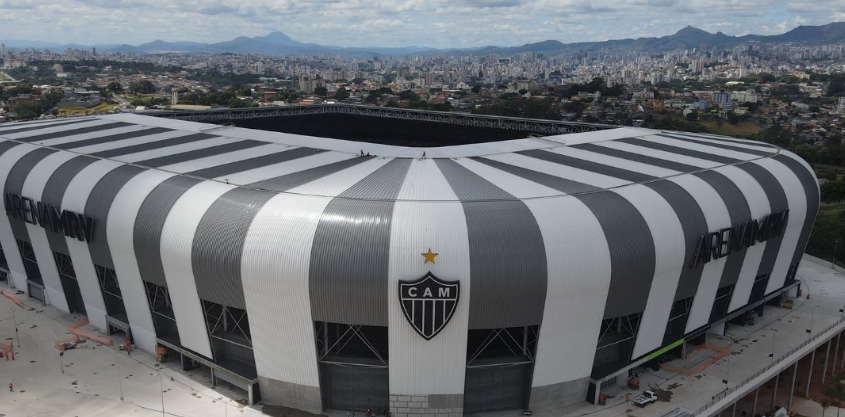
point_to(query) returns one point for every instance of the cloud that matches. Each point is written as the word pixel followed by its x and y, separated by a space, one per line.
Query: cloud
pixel 434 23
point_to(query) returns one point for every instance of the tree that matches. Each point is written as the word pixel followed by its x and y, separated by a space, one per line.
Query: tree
pixel 142 87
pixel 476 88
pixel 824 403
pixel 733 118
pixel 692 116
pixel 835 390
pixel 408 95
pixel 321 91
pixel 341 94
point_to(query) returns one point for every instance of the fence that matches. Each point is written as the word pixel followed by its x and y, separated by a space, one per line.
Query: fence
pixel 718 397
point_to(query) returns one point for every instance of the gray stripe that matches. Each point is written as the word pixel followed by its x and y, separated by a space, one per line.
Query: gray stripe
pixel 199 153
pixel 39 127
pixel 726 140
pixel 153 212
pixel 508 265
pixel 247 164
pixel 719 145
pixel 811 191
pixel 649 160
pixel 14 185
pixel 777 203
pixel 589 166
pixel 71 132
pixel 6 145
pixel 561 184
pixel 678 150
pixel 694 225
pixel 354 236
pixel 98 207
pixel 111 138
pixel 286 182
pixel 738 212
pixel 149 225
pixel 153 145
pixel 54 193
pixel 632 253
pixel 221 233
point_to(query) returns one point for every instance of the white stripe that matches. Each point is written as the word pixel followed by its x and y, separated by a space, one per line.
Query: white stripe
pixel 701 148
pixel 177 240
pixel 33 187
pixel 90 135
pixel 562 171
pixel 75 199
pixel 436 366
pixel 280 239
pixel 717 217
pixel 578 283
pixel 30 133
pixel 172 150
pixel 91 149
pixel 667 156
pixel 758 203
pixel 613 161
pixel 283 168
pixel 516 186
pixel 225 158
pixel 7 239
pixel 669 262
pixel 121 234
pixel 797 203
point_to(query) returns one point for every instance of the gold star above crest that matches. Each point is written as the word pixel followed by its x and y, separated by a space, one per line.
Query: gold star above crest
pixel 429 257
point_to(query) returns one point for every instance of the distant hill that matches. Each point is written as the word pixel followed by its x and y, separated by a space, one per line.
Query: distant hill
pixel 278 43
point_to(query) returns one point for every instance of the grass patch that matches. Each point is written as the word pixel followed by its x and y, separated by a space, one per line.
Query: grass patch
pixel 78 111
pixel 727 129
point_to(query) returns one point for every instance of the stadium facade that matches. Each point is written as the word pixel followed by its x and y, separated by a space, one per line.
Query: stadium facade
pixel 329 274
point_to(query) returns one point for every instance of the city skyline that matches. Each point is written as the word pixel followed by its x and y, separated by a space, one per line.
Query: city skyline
pixel 435 24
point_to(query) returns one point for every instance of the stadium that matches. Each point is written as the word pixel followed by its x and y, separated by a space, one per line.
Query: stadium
pixel 348 261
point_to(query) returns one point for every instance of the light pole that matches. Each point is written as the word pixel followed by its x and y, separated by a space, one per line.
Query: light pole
pixel 161 388
pixel 774 339
pixel 61 364
pixel 810 330
pixel 119 382
pixel 15 319
pixel 833 259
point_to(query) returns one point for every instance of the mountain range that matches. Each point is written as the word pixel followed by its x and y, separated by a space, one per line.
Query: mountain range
pixel 279 44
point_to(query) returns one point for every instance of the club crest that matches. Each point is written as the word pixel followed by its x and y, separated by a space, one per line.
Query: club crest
pixel 429 303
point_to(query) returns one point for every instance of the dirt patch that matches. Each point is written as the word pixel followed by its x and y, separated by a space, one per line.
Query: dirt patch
pixel 663 396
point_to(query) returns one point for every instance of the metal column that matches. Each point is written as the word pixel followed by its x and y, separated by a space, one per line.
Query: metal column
pixel 835 353
pixel 792 387
pixel 810 374
pixel 775 393
pixel 754 407
pixel 826 357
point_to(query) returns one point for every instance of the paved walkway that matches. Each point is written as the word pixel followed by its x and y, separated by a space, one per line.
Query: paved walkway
pixel 95 376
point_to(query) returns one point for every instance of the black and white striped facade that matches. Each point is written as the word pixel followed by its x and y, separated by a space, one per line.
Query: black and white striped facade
pixel 567 238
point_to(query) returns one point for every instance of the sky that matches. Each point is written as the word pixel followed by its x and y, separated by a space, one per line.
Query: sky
pixel 394 23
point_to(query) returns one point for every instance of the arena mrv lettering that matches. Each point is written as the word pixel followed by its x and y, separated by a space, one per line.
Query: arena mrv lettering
pixel 721 243
pixel 52 218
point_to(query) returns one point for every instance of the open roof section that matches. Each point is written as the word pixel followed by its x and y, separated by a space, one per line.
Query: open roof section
pixel 384 125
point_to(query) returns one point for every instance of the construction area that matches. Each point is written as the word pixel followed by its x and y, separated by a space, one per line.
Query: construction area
pixel 59 365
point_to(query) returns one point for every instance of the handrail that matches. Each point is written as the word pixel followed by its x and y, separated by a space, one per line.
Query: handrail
pixel 718 397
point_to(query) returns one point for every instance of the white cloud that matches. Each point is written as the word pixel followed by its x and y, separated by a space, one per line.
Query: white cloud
pixel 435 23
